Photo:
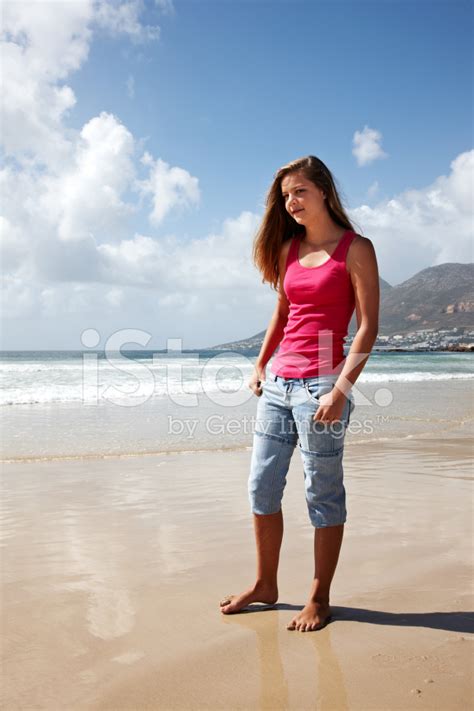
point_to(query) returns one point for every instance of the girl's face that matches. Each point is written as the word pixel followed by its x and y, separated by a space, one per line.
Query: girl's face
pixel 303 199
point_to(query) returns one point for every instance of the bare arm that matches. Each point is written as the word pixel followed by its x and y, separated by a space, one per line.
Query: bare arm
pixel 362 266
pixel 274 332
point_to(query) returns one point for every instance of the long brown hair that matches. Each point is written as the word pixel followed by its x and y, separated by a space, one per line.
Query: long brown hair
pixel 277 224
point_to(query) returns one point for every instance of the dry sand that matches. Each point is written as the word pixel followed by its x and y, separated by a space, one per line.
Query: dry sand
pixel 112 571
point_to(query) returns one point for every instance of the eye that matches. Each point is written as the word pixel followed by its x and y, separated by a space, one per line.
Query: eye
pixel 298 190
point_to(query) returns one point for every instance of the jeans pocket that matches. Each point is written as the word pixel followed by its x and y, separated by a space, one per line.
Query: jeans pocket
pixel 315 389
pixel 321 439
pixel 312 391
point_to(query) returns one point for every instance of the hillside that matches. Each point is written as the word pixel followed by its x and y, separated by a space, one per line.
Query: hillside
pixel 438 297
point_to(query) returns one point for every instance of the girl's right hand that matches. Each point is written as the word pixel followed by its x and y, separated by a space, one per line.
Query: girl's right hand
pixel 255 382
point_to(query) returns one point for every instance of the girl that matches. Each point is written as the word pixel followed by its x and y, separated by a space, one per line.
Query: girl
pixel 308 251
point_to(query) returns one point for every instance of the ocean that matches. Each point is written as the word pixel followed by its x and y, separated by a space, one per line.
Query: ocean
pixel 79 403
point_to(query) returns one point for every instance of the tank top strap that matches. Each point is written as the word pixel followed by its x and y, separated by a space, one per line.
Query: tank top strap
pixel 343 246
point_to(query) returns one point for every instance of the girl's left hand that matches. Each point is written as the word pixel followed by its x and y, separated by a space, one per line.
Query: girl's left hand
pixel 330 408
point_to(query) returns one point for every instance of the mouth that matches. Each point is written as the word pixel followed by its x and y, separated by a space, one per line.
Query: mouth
pixel 295 212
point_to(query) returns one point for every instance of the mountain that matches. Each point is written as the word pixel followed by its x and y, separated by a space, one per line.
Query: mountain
pixel 247 344
pixel 440 297
pixel 384 285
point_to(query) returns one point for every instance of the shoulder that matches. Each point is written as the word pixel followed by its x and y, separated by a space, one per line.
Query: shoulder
pixel 361 263
pixel 361 244
pixel 361 250
pixel 284 251
pixel 282 262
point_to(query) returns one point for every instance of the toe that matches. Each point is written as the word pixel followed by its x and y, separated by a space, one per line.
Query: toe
pixel 226 600
pixel 228 609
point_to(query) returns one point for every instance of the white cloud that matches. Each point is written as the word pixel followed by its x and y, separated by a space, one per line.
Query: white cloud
pixel 115 297
pixel 169 187
pixel 19 298
pixel 201 267
pixel 366 146
pixel 41 45
pixel 140 261
pixel 219 262
pixel 423 227
pixel 64 192
pixel 119 17
pixel 160 285
pixel 13 244
pixel 86 197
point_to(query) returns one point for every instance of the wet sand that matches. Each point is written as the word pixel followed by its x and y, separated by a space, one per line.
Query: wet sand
pixel 385 411
pixel 112 572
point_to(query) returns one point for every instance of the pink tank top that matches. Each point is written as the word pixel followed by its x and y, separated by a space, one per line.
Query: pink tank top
pixel 321 305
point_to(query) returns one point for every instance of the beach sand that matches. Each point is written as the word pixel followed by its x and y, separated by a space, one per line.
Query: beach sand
pixel 112 572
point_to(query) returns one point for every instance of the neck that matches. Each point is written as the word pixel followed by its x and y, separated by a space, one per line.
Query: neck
pixel 323 231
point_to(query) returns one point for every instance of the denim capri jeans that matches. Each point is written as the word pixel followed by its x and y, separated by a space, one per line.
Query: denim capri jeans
pixel 284 419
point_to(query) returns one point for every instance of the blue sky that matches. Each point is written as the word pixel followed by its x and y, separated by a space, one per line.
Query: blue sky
pixel 256 84
pixel 218 95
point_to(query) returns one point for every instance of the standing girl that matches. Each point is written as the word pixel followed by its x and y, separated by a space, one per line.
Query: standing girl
pixel 308 251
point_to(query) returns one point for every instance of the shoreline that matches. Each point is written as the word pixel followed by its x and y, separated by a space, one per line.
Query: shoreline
pixel 426 437
pixel 385 411
pixel 468 348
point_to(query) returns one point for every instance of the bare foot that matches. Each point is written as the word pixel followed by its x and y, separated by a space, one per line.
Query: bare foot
pixel 259 593
pixel 313 616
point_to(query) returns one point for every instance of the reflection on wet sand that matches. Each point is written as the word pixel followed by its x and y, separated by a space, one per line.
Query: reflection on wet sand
pixel 324 683
pixel 112 574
